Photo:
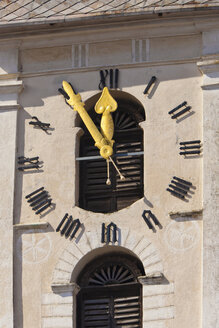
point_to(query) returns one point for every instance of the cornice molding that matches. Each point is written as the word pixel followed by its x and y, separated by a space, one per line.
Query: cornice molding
pixel 156 279
pixel 209 64
pixel 31 226
pixel 7 107
pixel 209 67
pixel 11 86
pixel 96 68
pixel 190 214
pixel 9 92
pixel 213 86
pixel 9 76
pixel 63 288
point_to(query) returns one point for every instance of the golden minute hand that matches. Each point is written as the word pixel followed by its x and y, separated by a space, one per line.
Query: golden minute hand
pixel 105 106
pixel 74 100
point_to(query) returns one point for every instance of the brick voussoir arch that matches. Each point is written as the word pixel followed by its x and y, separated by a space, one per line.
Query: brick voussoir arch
pixel 90 241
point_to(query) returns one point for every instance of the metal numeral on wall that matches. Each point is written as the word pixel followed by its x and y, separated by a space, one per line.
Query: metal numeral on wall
pixel 113 78
pixel 38 124
pixel 180 188
pixel 150 218
pixel 69 226
pixel 150 83
pixel 181 112
pixel 28 163
pixel 190 147
pixel 109 233
pixel 39 200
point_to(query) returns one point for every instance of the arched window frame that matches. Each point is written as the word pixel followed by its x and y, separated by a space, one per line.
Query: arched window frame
pixel 94 194
pixel 64 288
pixel 108 300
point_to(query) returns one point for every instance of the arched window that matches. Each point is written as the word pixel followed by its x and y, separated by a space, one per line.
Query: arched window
pixel 95 195
pixel 110 294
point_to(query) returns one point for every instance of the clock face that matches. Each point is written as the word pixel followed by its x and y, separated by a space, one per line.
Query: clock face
pixel 141 149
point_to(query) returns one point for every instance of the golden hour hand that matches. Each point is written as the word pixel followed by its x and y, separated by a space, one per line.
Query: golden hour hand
pixel 105 106
pixel 74 100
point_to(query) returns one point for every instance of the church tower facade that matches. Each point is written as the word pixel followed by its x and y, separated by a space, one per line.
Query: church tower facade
pixel 109 164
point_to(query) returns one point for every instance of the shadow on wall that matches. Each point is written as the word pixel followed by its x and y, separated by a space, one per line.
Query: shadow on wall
pixel 38 88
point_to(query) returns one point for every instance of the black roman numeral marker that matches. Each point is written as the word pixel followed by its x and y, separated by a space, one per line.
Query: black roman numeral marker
pixel 39 124
pixel 181 112
pixel 70 227
pixel 39 200
pixel 116 78
pixel 75 226
pixel 179 187
pixel 67 224
pixel 109 233
pixel 150 83
pixel 190 147
pixel 113 78
pixel 61 222
pixel 66 96
pixel 33 163
pixel 103 76
pixel 148 216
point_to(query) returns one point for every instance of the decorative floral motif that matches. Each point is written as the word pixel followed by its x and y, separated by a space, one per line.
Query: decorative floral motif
pixel 35 247
pixel 181 236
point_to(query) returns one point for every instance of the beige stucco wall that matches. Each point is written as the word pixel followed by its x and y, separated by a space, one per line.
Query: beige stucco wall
pixel 177 247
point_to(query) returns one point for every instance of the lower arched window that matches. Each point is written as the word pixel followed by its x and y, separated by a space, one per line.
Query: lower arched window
pixel 110 294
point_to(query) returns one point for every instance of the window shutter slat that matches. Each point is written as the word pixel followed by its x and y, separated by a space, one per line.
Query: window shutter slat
pixel 127 312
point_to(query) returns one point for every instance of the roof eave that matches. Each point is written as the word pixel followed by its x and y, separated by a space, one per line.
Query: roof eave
pixel 45 24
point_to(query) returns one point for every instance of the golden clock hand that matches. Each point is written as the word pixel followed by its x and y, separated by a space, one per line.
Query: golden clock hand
pixel 105 106
pixel 105 146
pixel 114 164
pixel 108 181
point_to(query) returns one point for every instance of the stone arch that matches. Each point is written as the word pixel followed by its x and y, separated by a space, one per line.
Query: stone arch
pixel 120 96
pixel 90 241
pixel 157 293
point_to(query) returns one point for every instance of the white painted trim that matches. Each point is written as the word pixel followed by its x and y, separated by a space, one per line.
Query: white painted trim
pixel 73 55
pixel 79 55
pixel 140 50
pixel 87 54
pixel 147 50
pixel 133 52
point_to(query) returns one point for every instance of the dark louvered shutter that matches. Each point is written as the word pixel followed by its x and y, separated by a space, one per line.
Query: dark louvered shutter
pixel 95 195
pixel 127 311
pixel 95 313
pixel 130 189
pixel 110 307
